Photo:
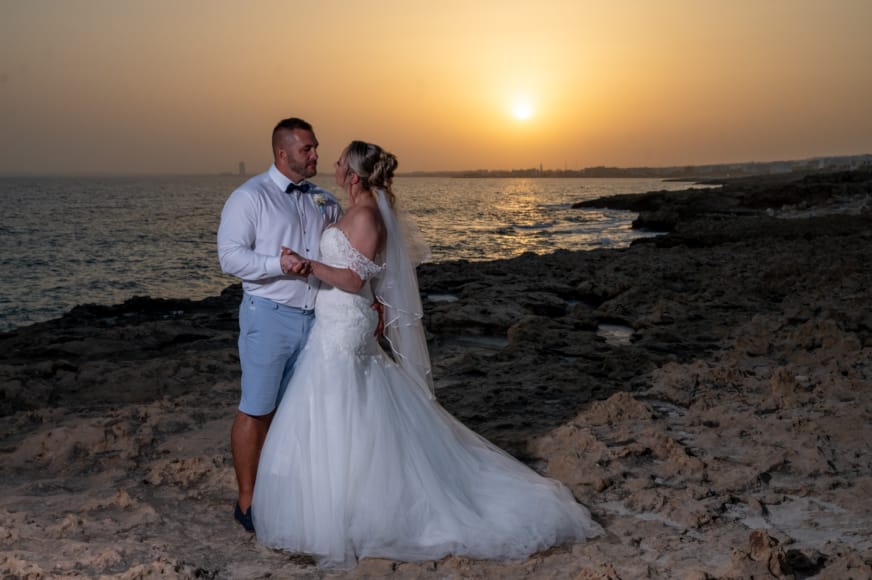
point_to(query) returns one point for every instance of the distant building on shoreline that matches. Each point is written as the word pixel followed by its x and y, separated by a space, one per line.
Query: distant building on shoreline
pixel 242 168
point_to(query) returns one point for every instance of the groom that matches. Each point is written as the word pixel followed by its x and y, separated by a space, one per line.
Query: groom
pixel 274 209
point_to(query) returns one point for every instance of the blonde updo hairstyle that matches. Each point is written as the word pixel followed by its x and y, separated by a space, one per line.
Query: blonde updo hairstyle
pixel 373 165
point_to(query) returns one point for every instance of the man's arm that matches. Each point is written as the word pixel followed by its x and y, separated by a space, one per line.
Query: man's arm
pixel 236 239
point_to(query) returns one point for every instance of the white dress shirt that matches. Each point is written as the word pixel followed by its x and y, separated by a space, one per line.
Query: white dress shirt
pixel 258 219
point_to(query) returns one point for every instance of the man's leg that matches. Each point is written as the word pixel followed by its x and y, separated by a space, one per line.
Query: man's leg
pixel 262 360
pixel 270 338
pixel 246 441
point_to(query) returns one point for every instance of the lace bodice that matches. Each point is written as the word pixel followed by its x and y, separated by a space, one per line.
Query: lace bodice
pixel 345 319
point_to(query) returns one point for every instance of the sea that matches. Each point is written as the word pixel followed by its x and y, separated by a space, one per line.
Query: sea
pixel 66 241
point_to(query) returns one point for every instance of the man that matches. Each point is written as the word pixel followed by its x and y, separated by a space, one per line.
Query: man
pixel 274 209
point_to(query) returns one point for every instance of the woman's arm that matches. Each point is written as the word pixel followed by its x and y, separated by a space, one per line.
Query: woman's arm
pixel 341 278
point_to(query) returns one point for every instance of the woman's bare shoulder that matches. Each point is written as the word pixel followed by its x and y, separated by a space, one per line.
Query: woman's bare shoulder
pixel 364 216
pixel 363 229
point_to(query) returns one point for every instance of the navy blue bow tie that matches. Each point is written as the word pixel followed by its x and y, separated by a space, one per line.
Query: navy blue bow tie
pixel 301 187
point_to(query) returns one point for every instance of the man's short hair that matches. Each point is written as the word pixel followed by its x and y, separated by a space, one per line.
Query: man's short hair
pixel 292 123
pixel 288 124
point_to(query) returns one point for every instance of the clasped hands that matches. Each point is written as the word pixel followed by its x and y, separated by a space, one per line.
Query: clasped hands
pixel 294 263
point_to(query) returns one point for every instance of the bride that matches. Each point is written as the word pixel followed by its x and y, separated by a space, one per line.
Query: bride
pixel 360 460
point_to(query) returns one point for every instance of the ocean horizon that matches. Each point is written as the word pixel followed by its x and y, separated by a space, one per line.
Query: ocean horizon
pixel 71 240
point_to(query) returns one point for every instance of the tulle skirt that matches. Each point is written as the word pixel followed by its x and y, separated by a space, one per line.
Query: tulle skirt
pixel 360 462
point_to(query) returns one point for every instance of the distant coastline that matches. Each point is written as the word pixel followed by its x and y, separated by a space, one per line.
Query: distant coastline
pixel 673 173
pixel 678 172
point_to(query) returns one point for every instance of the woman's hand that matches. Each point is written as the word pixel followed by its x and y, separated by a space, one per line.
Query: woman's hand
pixel 380 308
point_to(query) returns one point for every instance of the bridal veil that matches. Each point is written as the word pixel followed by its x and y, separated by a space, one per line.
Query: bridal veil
pixel 397 289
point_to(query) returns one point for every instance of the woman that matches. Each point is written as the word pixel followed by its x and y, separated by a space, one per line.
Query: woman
pixel 360 460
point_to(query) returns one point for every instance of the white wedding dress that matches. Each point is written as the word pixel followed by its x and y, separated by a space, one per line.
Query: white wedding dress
pixel 362 462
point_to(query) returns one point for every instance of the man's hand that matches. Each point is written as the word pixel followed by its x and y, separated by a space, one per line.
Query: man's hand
pixel 293 263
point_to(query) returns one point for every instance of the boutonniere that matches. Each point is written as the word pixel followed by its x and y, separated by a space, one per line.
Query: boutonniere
pixel 320 201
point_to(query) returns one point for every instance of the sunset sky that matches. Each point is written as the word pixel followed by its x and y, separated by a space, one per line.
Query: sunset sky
pixel 184 86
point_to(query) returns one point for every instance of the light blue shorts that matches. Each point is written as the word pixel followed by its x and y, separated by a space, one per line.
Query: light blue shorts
pixel 271 336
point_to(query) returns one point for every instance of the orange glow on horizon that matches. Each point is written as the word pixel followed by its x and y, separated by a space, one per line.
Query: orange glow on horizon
pixel 166 87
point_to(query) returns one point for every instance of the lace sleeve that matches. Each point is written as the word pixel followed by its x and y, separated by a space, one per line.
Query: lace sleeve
pixel 361 265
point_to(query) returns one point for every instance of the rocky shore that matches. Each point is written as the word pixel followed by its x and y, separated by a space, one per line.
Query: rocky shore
pixel 705 393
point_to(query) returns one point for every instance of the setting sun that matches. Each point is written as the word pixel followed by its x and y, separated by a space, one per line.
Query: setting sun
pixel 522 111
